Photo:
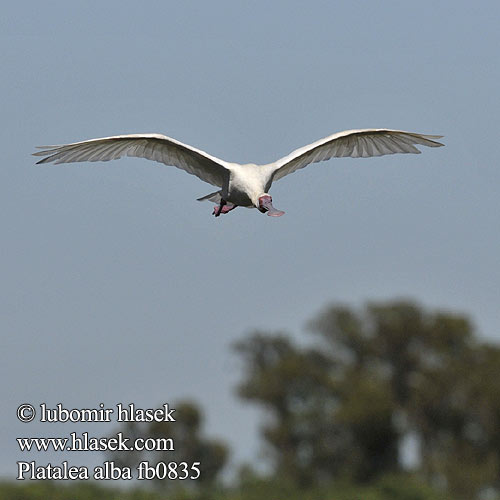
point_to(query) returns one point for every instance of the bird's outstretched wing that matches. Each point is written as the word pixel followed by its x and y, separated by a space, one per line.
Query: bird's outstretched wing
pixel 355 144
pixel 154 147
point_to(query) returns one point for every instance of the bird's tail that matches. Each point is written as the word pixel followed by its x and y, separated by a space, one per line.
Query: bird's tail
pixel 214 197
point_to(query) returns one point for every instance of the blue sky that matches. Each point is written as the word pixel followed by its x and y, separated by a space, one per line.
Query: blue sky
pixel 117 286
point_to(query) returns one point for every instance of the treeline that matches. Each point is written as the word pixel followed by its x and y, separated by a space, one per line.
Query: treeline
pixel 390 488
pixel 342 409
pixel 345 406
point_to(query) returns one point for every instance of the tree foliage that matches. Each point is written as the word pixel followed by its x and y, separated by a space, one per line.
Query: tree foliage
pixel 189 443
pixel 342 406
pixel 400 487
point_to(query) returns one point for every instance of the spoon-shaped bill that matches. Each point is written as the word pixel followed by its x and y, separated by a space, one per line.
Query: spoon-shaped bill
pixel 266 205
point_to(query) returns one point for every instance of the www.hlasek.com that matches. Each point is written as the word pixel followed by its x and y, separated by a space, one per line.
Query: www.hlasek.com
pixel 84 442
pixel 88 443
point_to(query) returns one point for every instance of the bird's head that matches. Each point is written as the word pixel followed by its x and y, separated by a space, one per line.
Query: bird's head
pixel 265 205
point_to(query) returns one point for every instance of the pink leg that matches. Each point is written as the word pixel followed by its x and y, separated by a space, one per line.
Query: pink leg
pixel 224 209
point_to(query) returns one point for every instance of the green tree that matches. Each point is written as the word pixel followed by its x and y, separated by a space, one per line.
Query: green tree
pixel 293 384
pixel 342 406
pixel 189 445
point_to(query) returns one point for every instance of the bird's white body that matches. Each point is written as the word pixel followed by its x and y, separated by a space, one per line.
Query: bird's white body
pixel 247 183
pixel 239 185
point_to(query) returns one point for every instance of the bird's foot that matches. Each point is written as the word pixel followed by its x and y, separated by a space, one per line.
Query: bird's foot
pixel 223 209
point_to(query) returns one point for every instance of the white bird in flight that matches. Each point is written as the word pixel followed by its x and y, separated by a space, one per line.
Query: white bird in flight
pixel 239 185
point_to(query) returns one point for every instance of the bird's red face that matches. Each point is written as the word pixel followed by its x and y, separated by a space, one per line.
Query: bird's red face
pixel 266 206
